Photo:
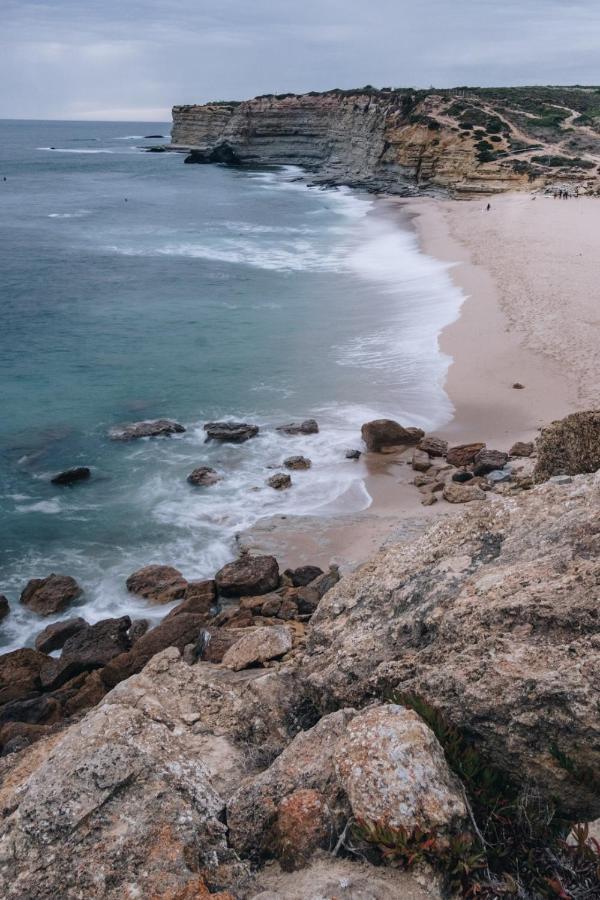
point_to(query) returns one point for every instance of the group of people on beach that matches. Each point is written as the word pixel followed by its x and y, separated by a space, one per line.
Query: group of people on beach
pixel 563 194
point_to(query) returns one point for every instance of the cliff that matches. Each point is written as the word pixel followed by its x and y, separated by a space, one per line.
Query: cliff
pixel 465 142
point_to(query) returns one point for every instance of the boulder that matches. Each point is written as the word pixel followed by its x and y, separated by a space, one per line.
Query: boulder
pixel 297 463
pixel 90 648
pixel 150 428
pixel 393 770
pixel 420 461
pixel 521 448
pixel 47 596
pixel 323 583
pixel 463 454
pixel 307 600
pixel 462 493
pixel 472 618
pixel 302 826
pixel 4 607
pixel 248 576
pixel 570 446
pixel 518 386
pixel 71 476
pixel 499 476
pixel 434 446
pixel 160 584
pixel 280 481
pixel 382 433
pixel 198 598
pixel 462 476
pixel 308 426
pixel 258 646
pixel 487 460
pixel 54 636
pixel 352 454
pixel 230 432
pixel 303 575
pixel 20 674
pixel 204 476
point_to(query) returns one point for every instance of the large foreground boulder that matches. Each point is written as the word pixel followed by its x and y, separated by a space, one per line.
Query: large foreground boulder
pixel 248 576
pixel 492 619
pixel 383 433
pixel 50 595
pixel 570 446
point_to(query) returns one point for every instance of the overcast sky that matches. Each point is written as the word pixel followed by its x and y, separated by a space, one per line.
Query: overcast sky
pixel 133 59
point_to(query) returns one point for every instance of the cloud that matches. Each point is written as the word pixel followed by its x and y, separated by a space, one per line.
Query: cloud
pixel 61 58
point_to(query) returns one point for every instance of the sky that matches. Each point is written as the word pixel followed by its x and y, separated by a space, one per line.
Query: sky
pixel 134 59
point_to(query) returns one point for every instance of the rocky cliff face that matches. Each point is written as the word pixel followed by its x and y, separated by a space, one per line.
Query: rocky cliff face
pixel 404 141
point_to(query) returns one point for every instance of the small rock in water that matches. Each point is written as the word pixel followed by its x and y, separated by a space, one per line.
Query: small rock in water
pixel 70 476
pixel 521 448
pixel 308 426
pixel 204 476
pixel 279 481
pixel 297 462
pixel 352 454
pixel 54 636
pixel 230 432
pixel 4 607
pixel 150 428
pixel 46 596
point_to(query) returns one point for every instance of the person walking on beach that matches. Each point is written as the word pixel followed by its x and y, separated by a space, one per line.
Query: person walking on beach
pixel 488 207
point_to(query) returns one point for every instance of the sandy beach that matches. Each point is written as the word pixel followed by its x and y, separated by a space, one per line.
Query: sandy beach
pixel 530 275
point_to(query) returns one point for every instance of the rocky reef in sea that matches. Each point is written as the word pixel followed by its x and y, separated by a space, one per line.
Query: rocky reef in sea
pixel 465 141
pixel 424 727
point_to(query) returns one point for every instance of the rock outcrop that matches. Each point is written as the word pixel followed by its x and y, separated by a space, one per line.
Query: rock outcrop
pixel 150 428
pixel 570 446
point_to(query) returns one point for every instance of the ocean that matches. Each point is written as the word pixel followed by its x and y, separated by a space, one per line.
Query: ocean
pixel 132 287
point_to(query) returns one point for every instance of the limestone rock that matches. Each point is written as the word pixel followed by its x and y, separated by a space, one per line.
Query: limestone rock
pixel 71 476
pixel 297 463
pixel 204 476
pixel 570 446
pixel 280 481
pixel 393 770
pixel 53 636
pixel 420 461
pixel 150 428
pixel 308 426
pixel 463 454
pixel 258 645
pixel 521 448
pixel 160 584
pixel 462 493
pixel 434 446
pixel 382 433
pixel 230 432
pixel 487 460
pixel 50 595
pixel 248 576
pixel 473 617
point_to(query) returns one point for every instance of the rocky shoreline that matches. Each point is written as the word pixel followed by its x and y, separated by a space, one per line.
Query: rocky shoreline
pixel 282 716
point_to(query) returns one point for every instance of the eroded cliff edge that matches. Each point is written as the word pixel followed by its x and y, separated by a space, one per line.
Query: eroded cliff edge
pixel 464 142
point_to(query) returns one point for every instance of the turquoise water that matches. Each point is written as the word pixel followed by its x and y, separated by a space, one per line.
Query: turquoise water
pixel 134 286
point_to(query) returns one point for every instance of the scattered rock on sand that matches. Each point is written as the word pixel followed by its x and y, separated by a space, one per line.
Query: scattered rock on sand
pixel 4 607
pixel 518 386
pixel 382 433
pixel 570 446
pixel 487 460
pixel 462 493
pixel 50 595
pixel 393 770
pixel 150 428
pixel 204 476
pixel 420 461
pixel 429 500
pixel 352 454
pixel 434 446
pixel 308 426
pixel 462 477
pixel 499 476
pixel 230 432
pixel 54 636
pixel 248 576
pixel 463 454
pixel 160 584
pixel 280 481
pixel 521 448
pixel 257 646
pixel 297 462
pixel 71 476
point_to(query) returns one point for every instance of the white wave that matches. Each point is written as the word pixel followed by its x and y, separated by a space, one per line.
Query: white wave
pixel 74 215
pixel 49 507
pixel 73 150
pixel 131 137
